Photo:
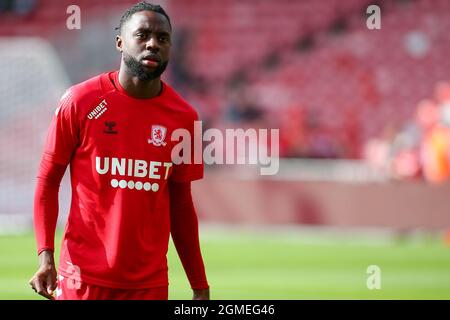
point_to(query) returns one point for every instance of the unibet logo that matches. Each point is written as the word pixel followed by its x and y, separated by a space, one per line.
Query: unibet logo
pixel 98 110
pixel 133 168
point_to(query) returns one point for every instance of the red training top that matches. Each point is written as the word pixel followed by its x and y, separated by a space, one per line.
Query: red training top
pixel 119 150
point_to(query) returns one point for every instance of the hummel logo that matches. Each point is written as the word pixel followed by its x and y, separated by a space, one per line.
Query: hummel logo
pixel 110 125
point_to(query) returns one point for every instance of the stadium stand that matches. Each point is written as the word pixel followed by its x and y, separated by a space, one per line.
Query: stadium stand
pixel 334 88
pixel 348 81
pixel 287 58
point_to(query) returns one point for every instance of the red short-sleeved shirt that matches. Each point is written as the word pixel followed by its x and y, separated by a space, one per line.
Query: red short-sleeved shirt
pixel 119 150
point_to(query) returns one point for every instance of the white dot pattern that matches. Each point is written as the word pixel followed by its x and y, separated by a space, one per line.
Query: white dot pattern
pixel 138 185
pixel 114 183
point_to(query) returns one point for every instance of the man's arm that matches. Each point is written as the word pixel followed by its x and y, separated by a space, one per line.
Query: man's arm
pixel 184 230
pixel 45 218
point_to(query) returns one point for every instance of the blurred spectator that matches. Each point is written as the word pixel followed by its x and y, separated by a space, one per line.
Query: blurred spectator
pixel 24 7
pixel 350 137
pixel 20 7
pixel 435 154
pixel 422 147
pixel 242 108
pixel 6 6
pixel 377 151
pixel 322 143
pixel 293 132
pixel 182 78
pixel 405 153
pixel 434 117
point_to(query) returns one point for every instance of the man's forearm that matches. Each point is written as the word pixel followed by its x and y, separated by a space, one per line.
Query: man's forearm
pixel 188 247
pixel 46 204
pixel 184 230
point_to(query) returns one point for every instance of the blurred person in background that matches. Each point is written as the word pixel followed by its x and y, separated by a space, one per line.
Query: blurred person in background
pixel 378 150
pixel 242 110
pixel 435 145
pixel 405 152
pixel 294 137
pixel 20 7
pixel 421 149
pixel 116 239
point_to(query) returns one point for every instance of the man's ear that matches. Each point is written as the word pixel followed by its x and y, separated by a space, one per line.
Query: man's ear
pixel 119 43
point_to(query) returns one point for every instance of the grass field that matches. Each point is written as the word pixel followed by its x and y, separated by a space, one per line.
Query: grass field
pixel 281 265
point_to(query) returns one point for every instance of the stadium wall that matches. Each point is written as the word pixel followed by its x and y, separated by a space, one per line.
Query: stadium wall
pixel 388 204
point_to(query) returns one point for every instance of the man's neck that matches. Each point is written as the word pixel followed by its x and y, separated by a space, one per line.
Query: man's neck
pixel 141 89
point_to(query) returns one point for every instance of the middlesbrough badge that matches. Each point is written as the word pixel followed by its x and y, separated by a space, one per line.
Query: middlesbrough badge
pixel 158 135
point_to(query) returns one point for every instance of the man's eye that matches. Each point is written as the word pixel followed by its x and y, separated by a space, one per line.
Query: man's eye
pixel 163 39
pixel 140 35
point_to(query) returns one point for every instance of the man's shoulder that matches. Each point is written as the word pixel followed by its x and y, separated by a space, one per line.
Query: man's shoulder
pixel 88 89
pixel 180 104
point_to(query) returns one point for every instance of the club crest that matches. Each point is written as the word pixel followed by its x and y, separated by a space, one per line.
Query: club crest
pixel 158 135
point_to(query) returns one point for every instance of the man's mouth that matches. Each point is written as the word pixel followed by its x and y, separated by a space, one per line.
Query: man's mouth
pixel 151 60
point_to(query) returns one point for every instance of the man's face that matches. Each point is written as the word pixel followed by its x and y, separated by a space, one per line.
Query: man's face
pixel 145 43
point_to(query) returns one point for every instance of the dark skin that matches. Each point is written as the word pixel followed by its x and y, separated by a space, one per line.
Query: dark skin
pixel 145 34
pixel 43 281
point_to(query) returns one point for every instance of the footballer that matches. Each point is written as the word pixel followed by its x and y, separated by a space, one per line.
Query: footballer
pixel 128 196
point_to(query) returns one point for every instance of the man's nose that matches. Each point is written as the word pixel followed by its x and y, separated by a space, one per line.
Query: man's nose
pixel 152 44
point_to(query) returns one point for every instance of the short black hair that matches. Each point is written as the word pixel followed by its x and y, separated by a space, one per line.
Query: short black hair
pixel 142 6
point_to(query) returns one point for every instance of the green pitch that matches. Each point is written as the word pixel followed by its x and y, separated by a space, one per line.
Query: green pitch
pixel 281 265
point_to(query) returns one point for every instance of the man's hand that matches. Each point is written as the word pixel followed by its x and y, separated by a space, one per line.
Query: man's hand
pixel 44 280
pixel 201 294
